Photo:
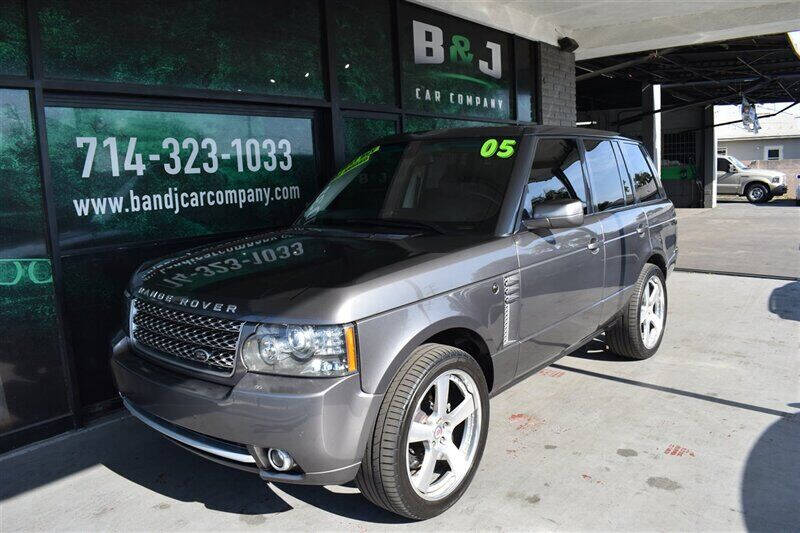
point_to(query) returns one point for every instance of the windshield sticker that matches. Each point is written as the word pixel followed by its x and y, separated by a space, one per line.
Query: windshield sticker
pixel 502 149
pixel 360 160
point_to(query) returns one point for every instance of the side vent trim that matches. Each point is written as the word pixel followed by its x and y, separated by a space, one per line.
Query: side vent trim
pixel 511 287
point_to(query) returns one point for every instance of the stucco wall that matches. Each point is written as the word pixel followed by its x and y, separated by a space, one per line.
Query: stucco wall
pixel 753 149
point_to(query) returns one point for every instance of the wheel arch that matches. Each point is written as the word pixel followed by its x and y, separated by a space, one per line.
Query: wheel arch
pixel 657 258
pixel 462 332
pixel 751 182
pixel 471 342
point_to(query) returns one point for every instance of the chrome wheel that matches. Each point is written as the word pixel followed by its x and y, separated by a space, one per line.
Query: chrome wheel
pixel 651 312
pixel 444 434
pixel 757 193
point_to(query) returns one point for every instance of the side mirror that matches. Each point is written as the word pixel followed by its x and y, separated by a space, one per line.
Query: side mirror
pixel 731 169
pixel 553 214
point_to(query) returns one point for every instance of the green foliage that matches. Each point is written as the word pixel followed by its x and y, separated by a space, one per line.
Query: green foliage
pixel 363 42
pixel 207 44
pixel 13 39
pixel 21 214
pixel 358 132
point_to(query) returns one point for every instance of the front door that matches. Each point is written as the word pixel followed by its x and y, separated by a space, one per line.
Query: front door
pixel 561 270
pixel 727 181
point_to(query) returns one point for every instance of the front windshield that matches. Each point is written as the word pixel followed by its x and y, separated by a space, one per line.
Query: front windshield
pixel 737 163
pixel 444 186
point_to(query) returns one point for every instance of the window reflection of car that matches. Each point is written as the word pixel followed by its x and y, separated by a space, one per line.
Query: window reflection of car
pixel 757 185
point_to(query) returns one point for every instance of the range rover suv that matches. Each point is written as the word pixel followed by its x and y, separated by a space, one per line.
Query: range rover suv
pixel 432 272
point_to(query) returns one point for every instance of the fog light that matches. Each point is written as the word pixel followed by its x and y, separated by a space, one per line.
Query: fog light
pixel 280 460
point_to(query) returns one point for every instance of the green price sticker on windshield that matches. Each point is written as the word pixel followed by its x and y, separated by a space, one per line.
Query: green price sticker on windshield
pixel 502 149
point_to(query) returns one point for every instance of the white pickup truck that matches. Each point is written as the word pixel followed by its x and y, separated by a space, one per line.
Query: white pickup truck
pixel 758 185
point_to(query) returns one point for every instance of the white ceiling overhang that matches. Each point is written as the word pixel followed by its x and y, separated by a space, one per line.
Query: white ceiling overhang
pixel 613 27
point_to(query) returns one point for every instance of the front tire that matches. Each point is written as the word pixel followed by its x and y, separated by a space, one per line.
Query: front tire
pixel 757 193
pixel 429 436
pixel 639 332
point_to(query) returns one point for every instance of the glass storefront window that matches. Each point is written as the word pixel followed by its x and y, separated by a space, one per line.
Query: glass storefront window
pixel 13 39
pixel 129 176
pixel 417 123
pixel 29 352
pixel 269 48
pixel 363 39
pixel 360 131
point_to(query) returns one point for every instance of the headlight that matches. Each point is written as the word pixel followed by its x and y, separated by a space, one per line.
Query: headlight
pixel 301 350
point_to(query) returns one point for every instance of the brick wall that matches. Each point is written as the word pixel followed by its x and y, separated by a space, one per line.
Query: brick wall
pixel 556 86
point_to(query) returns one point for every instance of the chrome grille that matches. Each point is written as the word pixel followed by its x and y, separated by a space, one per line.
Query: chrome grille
pixel 204 342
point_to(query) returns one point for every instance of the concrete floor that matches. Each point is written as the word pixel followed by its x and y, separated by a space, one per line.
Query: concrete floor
pixel 704 436
pixel 738 236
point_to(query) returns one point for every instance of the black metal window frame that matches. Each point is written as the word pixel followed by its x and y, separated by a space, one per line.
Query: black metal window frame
pixel 328 136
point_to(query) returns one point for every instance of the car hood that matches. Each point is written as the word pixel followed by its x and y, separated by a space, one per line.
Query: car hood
pixel 761 173
pixel 319 276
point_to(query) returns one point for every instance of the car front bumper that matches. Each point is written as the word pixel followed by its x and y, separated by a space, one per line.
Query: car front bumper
pixel 778 190
pixel 324 423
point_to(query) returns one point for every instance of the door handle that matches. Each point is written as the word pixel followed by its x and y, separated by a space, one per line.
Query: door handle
pixel 640 230
pixel 594 245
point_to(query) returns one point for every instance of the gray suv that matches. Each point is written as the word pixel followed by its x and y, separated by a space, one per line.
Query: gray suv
pixel 432 272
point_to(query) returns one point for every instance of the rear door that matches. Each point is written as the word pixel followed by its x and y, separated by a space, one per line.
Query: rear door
pixel 727 182
pixel 624 223
pixel 561 270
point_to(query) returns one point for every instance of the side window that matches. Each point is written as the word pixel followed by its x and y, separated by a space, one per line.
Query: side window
pixel 643 179
pixel 722 164
pixel 604 174
pixel 626 181
pixel 556 174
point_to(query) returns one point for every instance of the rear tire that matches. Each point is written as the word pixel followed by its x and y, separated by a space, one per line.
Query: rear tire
pixel 635 335
pixel 757 193
pixel 409 470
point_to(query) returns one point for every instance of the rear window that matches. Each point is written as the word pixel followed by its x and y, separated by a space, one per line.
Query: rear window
pixel 640 173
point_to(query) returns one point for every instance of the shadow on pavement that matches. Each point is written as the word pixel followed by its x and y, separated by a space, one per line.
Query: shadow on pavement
pixel 771 480
pixel 140 455
pixel 598 350
pixel 779 202
pixel 783 301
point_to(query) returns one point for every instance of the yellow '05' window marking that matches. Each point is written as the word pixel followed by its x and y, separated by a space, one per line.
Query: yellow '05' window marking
pixel 502 149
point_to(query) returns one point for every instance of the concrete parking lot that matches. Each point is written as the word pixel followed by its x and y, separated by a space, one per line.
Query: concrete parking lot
pixel 738 236
pixel 704 436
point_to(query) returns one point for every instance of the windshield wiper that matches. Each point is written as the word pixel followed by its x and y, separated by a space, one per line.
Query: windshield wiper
pixel 397 223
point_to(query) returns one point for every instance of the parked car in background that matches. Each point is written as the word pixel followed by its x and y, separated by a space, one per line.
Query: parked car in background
pixel 433 271
pixel 758 185
pixel 797 192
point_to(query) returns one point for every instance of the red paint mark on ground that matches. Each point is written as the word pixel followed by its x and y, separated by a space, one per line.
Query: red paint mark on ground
pixel 525 422
pixel 551 373
pixel 678 451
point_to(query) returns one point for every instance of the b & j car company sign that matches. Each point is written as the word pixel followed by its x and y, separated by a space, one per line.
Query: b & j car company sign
pixel 453 66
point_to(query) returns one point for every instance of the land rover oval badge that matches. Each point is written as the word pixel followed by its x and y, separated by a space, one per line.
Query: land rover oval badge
pixel 201 355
